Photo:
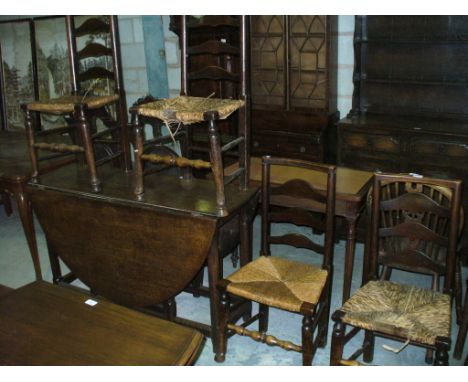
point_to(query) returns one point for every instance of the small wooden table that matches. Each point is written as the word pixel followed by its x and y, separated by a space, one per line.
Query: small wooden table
pixel 15 170
pixel 140 253
pixel 45 324
pixel 351 190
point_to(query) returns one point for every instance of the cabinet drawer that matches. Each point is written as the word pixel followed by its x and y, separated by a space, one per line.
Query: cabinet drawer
pixel 372 142
pixel 307 147
pixel 436 147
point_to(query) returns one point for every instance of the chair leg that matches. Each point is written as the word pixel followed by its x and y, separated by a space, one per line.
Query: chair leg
pixel 323 324
pixel 337 342
pixel 197 282
pixel 461 337
pixel 263 318
pixel 441 353
pixel 307 340
pixel 458 292
pixel 223 322
pixel 89 149
pixel 170 309
pixel 368 346
pixel 31 141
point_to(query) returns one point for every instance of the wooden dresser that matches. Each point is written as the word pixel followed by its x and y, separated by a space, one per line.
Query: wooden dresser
pixel 293 85
pixel 410 108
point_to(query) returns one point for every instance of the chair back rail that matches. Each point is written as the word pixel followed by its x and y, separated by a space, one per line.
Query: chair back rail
pixel 299 201
pixel 415 225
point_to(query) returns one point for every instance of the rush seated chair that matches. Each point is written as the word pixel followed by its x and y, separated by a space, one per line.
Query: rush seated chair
pixel 297 287
pixel 411 219
pixel 186 114
pixel 97 94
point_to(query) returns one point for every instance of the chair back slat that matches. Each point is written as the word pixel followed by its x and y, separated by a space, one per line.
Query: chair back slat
pixel 298 241
pixel 415 225
pixel 297 216
pixel 299 204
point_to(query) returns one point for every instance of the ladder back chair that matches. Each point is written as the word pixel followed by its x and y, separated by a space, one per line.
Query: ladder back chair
pixel 414 228
pixel 182 115
pixel 278 282
pixel 97 95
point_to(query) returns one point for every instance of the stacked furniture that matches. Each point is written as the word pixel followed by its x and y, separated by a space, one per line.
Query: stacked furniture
pixel 97 93
pixel 409 109
pixel 293 81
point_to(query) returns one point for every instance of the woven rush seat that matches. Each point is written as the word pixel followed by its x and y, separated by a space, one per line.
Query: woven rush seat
pixel 67 104
pixel 189 110
pixel 278 282
pixel 418 314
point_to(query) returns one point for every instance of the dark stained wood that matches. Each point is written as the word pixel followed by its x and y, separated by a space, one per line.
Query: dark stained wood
pixel 112 142
pixel 408 112
pixel 462 331
pixel 15 172
pixel 44 324
pixel 315 318
pixel 351 190
pixel 403 249
pixel 293 80
pixel 143 251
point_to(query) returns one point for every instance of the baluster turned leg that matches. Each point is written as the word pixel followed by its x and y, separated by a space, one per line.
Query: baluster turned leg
pixel 337 342
pixel 88 147
pixel 31 141
pixel 217 165
pixel 307 340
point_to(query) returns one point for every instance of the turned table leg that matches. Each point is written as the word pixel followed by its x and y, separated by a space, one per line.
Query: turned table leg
pixel 349 257
pixel 26 215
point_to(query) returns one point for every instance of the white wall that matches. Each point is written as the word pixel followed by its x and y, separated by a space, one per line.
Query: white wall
pixel 132 50
pixel 345 63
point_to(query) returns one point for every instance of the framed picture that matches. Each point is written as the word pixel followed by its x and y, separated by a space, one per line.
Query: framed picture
pixel 53 67
pixel 15 38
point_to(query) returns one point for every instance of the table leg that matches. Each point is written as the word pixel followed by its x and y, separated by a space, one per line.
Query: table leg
pixel 26 215
pixel 214 274
pixel 349 257
pixel 6 203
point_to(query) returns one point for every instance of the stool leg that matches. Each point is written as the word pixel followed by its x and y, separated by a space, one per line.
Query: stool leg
pixel 441 353
pixel 263 318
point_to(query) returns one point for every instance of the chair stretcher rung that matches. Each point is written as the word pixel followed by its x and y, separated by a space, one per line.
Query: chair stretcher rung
pixel 60 147
pixel 232 144
pixel 264 338
pixel 234 175
pixel 176 161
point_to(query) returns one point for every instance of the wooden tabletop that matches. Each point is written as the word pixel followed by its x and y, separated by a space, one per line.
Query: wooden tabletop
pixel 350 184
pixel 45 324
pixel 162 191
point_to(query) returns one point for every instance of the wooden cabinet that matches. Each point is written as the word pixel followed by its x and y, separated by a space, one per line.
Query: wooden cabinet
pixel 293 85
pixel 410 112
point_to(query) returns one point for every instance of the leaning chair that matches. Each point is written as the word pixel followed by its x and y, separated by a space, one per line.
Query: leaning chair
pixel 409 225
pixel 97 94
pixel 281 283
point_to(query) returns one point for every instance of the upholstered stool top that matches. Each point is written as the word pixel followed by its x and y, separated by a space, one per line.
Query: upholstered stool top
pixel 418 314
pixel 278 282
pixel 189 110
pixel 67 104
